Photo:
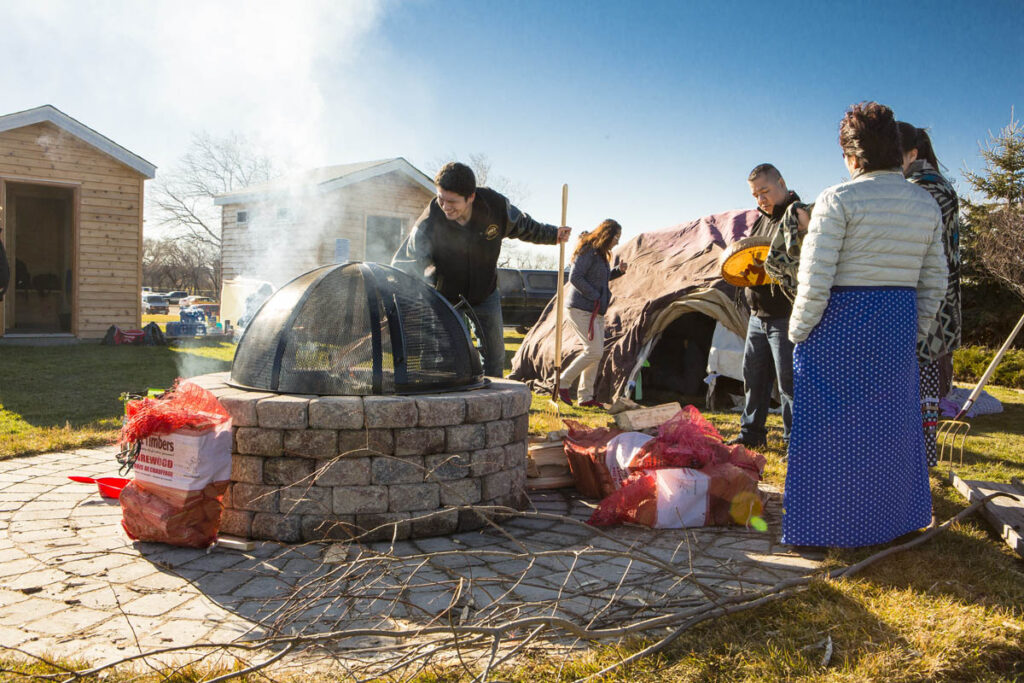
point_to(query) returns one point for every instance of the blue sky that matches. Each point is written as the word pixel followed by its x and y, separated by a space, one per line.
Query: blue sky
pixel 652 112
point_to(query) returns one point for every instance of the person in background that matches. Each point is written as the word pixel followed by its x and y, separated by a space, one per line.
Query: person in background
pixel 935 351
pixel 586 304
pixel 767 351
pixel 455 246
pixel 872 274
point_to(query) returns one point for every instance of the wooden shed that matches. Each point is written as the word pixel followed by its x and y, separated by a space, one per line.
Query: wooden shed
pixel 360 212
pixel 71 224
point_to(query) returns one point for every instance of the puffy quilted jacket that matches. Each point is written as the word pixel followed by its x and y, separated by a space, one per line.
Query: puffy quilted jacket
pixel 877 230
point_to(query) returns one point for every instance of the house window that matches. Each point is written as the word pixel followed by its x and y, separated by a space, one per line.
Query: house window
pixel 383 237
pixel 242 217
pixel 341 250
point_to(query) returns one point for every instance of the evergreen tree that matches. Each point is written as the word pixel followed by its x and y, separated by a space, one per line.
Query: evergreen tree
pixel 992 238
pixel 1002 181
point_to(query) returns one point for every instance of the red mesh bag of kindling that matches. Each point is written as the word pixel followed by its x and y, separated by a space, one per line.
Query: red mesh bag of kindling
pixel 186 405
pixel 585 449
pixel 687 441
pixel 636 501
pixel 182 467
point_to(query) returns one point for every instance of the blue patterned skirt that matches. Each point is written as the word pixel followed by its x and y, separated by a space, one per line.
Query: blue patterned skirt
pixel 857 473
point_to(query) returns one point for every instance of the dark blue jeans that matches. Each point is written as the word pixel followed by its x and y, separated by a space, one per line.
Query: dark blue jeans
pixel 767 355
pixel 491 334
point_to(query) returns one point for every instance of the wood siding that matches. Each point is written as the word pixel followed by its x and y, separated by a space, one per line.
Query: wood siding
pixel 278 249
pixel 107 232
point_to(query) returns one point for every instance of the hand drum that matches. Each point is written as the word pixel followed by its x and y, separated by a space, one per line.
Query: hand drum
pixel 743 262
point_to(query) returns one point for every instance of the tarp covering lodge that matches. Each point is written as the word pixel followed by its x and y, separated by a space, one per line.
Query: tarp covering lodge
pixel 672 293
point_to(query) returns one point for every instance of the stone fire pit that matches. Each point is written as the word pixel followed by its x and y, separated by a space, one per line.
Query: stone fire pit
pixel 314 467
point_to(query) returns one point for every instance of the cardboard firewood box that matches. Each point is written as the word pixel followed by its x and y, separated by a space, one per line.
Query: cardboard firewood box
pixel 178 466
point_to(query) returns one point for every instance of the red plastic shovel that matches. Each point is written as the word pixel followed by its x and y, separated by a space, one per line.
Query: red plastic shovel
pixel 110 487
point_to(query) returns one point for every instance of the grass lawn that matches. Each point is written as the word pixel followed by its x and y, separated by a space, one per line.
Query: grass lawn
pixel 61 397
pixel 951 609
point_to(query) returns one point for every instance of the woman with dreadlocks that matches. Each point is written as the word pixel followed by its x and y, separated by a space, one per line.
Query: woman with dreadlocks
pixel 935 351
pixel 586 305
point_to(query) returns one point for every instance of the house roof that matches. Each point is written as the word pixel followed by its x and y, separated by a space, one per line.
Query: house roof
pixel 51 114
pixel 326 179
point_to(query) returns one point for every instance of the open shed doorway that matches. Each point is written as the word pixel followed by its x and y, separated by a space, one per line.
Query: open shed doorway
pixel 40 240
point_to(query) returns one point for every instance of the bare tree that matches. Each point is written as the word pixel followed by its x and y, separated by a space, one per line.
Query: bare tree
pixel 183 197
pixel 482 169
pixel 171 263
pixel 182 201
pixel 1001 246
pixel 516 254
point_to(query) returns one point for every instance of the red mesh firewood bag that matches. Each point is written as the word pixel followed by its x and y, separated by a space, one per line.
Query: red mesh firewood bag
pixel 148 517
pixel 186 405
pixel 182 467
pixel 688 440
pixel 585 449
pixel 636 501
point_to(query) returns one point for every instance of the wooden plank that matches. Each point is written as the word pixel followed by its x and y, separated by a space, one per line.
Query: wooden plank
pixel 47 168
pixel 102 218
pixel 51 140
pixel 100 212
pixel 108 250
pixel 45 176
pixel 1005 514
pixel 20 153
pixel 644 418
pixel 235 543
pixel 108 234
pixel 96 200
pixel 547 467
pixel 93 277
pixel 107 264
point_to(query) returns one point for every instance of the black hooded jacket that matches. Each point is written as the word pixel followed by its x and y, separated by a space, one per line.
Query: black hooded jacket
pixel 769 301
pixel 462 260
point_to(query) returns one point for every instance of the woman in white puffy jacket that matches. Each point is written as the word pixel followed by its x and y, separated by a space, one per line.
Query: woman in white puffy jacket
pixel 872 273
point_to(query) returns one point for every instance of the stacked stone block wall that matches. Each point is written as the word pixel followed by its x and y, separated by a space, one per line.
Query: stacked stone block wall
pixel 314 467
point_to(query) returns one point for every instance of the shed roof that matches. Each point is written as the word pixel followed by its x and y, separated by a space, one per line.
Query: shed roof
pixel 326 179
pixel 51 114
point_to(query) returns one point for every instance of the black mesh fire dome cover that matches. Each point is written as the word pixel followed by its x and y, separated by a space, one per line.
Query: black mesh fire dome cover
pixel 356 329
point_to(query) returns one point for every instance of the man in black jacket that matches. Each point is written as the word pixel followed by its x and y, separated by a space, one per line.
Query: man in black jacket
pixel 455 246
pixel 767 353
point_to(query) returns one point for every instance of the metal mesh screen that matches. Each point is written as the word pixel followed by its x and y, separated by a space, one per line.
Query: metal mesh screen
pixel 356 329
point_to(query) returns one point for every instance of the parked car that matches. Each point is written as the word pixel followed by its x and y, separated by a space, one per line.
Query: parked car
pixel 194 299
pixel 175 297
pixel 155 303
pixel 525 294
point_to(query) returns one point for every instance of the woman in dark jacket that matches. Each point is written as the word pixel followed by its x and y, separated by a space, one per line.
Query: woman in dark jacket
pixel 935 352
pixel 586 305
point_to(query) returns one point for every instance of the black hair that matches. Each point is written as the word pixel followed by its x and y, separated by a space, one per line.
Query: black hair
pixel 912 137
pixel 456 177
pixel 764 169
